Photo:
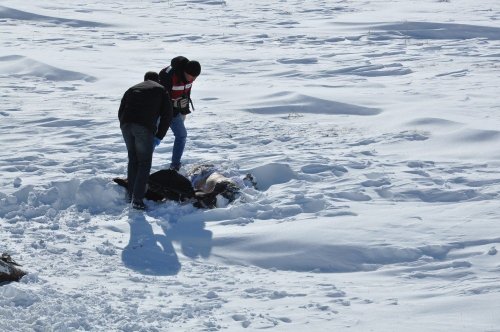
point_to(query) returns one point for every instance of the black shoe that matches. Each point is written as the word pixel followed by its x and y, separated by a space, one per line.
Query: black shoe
pixel 139 205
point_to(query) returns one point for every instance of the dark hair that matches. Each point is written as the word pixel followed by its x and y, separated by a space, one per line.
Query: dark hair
pixel 193 68
pixel 152 76
pixel 179 62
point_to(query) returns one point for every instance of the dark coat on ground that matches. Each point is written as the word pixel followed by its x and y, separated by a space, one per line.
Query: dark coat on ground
pixel 9 270
pixel 170 185
pixel 144 104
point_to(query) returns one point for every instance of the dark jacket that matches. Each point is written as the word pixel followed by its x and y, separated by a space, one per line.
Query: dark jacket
pixel 146 103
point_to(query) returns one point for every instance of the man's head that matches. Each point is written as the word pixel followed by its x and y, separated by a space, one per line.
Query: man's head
pixel 152 76
pixel 192 69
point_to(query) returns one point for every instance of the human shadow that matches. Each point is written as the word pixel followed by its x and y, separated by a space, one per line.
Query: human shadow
pixel 147 252
pixel 190 233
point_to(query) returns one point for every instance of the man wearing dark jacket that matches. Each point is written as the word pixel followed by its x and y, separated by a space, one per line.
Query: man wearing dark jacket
pixel 178 80
pixel 145 114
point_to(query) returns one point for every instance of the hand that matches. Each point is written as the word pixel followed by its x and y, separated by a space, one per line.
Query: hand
pixel 156 142
pixel 184 102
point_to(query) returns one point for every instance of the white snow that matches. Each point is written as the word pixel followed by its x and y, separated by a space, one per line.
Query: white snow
pixel 371 127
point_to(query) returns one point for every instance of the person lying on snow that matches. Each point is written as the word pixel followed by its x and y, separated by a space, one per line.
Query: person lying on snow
pixel 209 183
pixel 203 190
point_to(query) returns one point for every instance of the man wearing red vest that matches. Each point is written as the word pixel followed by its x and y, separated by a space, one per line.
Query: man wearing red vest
pixel 178 79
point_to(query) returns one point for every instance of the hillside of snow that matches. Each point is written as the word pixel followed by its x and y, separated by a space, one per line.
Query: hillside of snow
pixel 371 128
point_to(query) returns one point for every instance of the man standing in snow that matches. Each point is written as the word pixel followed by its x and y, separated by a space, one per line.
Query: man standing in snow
pixel 145 114
pixel 178 79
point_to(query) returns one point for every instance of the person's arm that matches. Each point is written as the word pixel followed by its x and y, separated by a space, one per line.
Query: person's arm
pixel 122 105
pixel 166 78
pixel 165 116
pixel 190 101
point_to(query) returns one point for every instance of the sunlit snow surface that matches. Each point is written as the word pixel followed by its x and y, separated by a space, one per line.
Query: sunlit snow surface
pixel 372 129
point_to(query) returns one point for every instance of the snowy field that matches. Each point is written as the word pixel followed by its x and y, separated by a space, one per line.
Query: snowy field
pixel 372 128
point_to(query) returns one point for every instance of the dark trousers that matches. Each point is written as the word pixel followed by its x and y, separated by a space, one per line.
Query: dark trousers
pixel 139 141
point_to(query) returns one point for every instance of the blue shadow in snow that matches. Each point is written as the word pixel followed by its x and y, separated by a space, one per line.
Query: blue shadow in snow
pixel 194 239
pixel 439 31
pixel 147 252
pixel 14 14
pixel 154 254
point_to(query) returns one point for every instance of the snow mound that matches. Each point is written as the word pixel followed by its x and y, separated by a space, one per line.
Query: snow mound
pixel 303 257
pixel 13 296
pixel 288 102
pixel 14 14
pixel 271 174
pixel 17 65
pixel 43 204
pixel 431 30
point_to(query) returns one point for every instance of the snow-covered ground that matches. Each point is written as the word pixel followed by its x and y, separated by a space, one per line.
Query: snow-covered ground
pixel 372 128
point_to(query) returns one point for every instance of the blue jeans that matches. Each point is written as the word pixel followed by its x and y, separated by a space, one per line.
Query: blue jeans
pixel 139 141
pixel 180 134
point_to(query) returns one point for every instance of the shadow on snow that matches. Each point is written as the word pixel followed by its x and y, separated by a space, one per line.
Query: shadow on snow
pixel 154 254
